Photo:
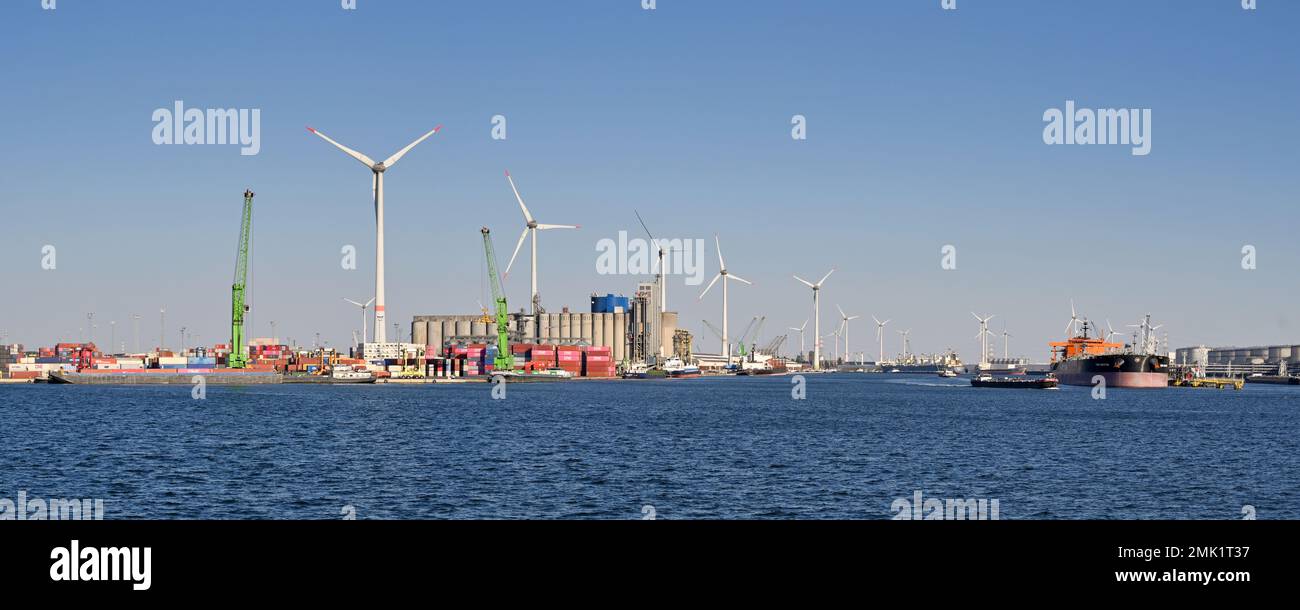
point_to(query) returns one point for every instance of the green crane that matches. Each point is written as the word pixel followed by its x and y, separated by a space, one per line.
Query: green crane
pixel 238 358
pixel 504 360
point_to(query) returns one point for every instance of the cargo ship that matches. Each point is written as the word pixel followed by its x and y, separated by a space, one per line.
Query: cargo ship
pixel 165 377
pixel 924 364
pixel 1080 359
pixel 675 367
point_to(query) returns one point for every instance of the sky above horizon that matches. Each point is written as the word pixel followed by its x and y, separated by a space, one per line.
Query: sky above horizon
pixel 924 129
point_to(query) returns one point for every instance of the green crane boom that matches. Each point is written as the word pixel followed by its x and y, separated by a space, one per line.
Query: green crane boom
pixel 504 361
pixel 238 358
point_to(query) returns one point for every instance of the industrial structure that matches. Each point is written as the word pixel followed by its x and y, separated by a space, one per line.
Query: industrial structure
pixel 1236 361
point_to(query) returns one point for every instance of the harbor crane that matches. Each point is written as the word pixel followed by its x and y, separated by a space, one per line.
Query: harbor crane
pixel 504 361
pixel 238 357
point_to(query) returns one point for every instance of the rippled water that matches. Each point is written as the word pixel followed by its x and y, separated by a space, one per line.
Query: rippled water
pixel 702 448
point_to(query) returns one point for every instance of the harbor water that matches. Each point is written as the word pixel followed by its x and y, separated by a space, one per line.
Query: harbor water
pixel 676 449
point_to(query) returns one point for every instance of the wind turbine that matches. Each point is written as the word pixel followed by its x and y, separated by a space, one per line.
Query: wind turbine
pixel 377 186
pixel 844 322
pixel 817 318
pixel 725 277
pixel 530 226
pixel 906 344
pixel 880 336
pixel 1072 327
pixel 1110 331
pixel 802 353
pixel 983 336
pixel 363 307
pixel 836 335
pixel 663 289
pixel 1006 343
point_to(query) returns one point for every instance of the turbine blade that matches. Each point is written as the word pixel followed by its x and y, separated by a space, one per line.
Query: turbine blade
pixel 370 302
pixel 828 274
pixel 810 284
pixel 398 155
pixel 522 237
pixel 841 310
pixel 739 279
pixel 706 288
pixel 545 227
pixel 354 302
pixel 351 153
pixel 721 264
pixel 527 216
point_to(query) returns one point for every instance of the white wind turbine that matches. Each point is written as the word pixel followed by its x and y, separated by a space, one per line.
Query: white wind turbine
pixel 880 336
pixel 377 185
pixel 725 277
pixel 983 336
pixel 530 226
pixel 1006 343
pixel 363 307
pixel 844 321
pixel 1110 331
pixel 1072 328
pixel 817 318
pixel 802 353
pixel 907 345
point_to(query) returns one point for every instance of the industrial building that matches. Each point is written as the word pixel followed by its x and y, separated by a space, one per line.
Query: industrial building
pixel 1266 360
pixel 632 327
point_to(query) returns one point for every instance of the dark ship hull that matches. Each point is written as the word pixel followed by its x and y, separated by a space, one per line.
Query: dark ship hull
pixel 1118 370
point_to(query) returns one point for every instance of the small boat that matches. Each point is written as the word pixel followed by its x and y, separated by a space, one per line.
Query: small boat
pixel 1020 383
pixel 675 367
pixel 947 373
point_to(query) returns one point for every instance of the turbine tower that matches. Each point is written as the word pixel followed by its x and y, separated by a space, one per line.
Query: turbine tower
pixel 363 307
pixel 802 353
pixel 530 226
pixel 844 323
pixel 817 318
pixel 880 336
pixel 377 186
pixel 726 278
pixel 983 336
pixel 907 345
pixel 1006 343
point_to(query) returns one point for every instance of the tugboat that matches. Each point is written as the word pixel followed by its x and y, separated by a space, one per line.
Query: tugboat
pixel 1016 383
pixel 947 373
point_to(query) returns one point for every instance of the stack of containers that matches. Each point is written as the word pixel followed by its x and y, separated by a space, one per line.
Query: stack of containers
pixel 489 359
pixel 597 361
pixel 542 356
pixel 172 362
pixel 474 358
pixel 519 351
pixel 570 358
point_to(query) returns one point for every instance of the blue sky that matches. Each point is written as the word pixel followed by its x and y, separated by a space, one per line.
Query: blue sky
pixel 924 129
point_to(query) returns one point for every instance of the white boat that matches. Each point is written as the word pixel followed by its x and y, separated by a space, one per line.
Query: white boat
pixel 675 367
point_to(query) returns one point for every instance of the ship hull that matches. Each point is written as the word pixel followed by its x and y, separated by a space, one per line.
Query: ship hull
pixel 1118 371
pixel 210 377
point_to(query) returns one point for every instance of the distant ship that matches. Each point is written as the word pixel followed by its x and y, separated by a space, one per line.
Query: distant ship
pixel 1081 359
pixel 925 364
pixel 675 367
pixel 1003 366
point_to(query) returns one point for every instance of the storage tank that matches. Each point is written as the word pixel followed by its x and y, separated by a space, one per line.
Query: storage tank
pixel 448 331
pixel 586 329
pixel 620 336
pixel 566 329
pixel 1279 352
pixel 598 329
pixel 419 332
pixel 462 330
pixel 434 338
pixel 543 328
pixel 478 329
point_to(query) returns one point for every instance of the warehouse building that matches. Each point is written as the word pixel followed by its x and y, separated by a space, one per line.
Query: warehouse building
pixel 630 326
